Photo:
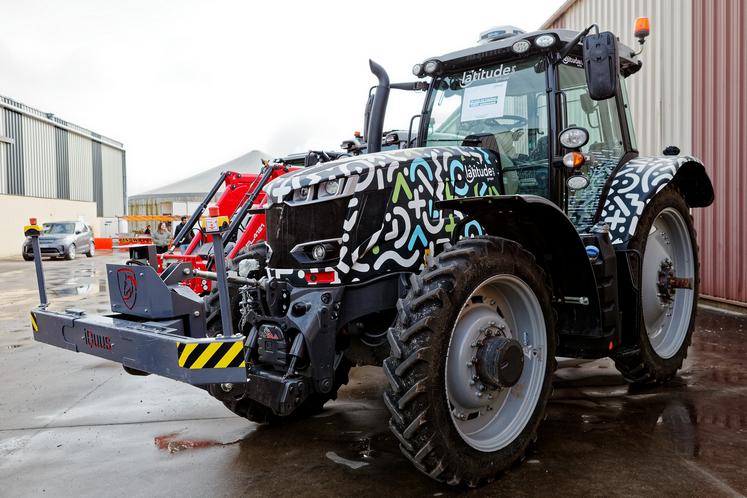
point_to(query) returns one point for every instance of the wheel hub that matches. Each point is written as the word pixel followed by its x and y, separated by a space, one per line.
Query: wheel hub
pixel 500 362
pixel 667 281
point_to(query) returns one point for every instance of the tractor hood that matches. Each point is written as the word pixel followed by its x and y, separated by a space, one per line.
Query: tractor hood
pixel 381 166
pixel 385 217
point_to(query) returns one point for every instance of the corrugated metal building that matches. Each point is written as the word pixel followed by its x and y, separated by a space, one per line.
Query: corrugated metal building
pixel 691 93
pixel 55 170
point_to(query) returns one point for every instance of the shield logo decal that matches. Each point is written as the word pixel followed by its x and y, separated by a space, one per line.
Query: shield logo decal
pixel 127 285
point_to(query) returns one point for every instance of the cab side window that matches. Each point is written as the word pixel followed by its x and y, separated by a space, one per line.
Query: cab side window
pixel 605 147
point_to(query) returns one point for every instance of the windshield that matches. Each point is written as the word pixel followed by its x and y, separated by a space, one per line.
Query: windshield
pixel 500 106
pixel 59 228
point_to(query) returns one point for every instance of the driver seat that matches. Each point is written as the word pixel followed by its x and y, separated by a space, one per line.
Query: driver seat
pixel 484 140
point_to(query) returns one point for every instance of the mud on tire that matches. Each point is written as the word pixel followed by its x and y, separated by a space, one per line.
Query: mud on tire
pixel 417 399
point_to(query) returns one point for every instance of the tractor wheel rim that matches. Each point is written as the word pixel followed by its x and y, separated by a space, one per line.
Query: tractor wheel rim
pixel 666 316
pixel 489 419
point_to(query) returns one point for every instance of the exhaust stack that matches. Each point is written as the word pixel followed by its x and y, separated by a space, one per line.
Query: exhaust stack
pixel 378 109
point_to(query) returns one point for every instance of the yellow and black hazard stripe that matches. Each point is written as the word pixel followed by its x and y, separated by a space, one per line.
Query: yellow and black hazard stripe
pixel 211 354
pixel 34 324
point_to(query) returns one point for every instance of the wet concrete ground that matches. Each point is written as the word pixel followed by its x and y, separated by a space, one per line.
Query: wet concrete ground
pixel 74 425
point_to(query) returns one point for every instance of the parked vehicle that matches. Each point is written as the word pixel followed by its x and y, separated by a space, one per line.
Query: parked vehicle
pixel 62 239
pixel 524 225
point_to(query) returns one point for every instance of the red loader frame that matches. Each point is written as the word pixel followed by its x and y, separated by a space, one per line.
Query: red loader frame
pixel 242 191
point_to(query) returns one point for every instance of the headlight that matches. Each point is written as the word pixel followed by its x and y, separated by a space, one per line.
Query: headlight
pixel 544 41
pixel 319 252
pixel 301 194
pixel 323 191
pixel 331 187
pixel 573 138
pixel 521 46
pixel 417 70
pixel 431 67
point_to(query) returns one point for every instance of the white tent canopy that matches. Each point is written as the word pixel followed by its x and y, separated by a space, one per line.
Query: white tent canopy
pixel 198 185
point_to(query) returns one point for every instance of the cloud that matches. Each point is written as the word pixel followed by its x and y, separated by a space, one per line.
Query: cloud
pixel 187 85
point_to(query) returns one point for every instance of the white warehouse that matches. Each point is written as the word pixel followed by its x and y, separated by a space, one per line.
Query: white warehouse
pixel 55 171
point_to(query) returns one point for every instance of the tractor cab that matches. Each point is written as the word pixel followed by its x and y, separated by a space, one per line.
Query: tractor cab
pixel 527 98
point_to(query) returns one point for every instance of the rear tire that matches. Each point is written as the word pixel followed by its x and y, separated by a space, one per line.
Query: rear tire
pixel 444 427
pixel 91 250
pixel 665 231
pixel 26 257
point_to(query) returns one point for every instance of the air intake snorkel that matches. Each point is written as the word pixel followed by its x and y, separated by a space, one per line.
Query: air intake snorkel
pixel 375 127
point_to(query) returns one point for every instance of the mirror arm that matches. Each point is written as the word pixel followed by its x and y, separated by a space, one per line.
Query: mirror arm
pixel 412 86
pixel 569 46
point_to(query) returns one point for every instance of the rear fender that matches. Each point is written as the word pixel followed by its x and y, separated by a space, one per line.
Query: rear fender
pixel 639 180
pixel 545 231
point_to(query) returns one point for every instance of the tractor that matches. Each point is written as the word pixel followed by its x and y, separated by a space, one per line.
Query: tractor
pixel 519 224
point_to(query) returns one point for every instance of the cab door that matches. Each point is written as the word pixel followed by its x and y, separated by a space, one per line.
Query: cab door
pixel 605 149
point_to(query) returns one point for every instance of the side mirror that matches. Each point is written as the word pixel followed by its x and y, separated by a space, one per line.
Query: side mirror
pixel 602 65
pixel 391 138
pixel 78 232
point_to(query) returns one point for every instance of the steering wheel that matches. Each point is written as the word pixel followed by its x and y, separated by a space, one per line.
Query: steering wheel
pixel 514 121
pixel 507 121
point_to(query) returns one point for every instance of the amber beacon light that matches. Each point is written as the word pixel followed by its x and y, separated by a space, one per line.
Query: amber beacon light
pixel 642 28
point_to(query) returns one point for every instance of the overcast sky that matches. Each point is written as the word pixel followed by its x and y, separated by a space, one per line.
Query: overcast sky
pixel 187 85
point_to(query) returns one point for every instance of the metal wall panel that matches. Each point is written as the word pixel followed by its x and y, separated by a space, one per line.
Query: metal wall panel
pixel 52 158
pixel 39 169
pixel 112 175
pixel 98 181
pixel 664 82
pixel 14 153
pixel 3 146
pixel 62 161
pixel 80 159
pixel 124 182
pixel 719 139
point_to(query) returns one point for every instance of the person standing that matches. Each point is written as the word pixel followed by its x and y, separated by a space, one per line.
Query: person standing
pixel 161 238
pixel 187 238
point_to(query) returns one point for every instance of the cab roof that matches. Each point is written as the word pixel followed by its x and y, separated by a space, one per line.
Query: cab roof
pixel 500 48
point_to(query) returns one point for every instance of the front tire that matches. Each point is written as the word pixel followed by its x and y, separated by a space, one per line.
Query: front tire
pixel 70 254
pixel 453 418
pixel 666 241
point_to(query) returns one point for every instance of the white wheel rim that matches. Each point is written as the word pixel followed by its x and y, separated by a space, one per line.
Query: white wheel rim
pixel 667 320
pixel 493 421
pixel 71 251
pixel 93 249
